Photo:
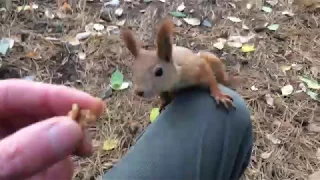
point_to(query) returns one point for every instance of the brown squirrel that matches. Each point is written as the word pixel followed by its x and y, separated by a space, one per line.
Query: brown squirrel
pixel 170 68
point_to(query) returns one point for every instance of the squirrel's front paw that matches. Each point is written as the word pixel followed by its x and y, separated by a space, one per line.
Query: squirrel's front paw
pixel 223 98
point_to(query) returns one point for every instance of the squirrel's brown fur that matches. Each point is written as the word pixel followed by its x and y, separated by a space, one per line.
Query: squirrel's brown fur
pixel 170 68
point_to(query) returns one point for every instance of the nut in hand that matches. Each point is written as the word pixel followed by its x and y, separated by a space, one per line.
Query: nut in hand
pixel 82 116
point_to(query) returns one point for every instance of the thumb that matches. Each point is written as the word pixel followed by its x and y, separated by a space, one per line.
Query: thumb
pixel 37 147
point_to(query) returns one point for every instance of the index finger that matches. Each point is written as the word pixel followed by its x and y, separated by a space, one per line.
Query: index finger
pixel 21 97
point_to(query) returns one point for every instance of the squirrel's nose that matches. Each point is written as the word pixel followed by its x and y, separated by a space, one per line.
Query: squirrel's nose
pixel 140 93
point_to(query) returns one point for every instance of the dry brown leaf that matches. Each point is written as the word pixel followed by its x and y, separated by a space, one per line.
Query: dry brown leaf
pixel 67 8
pixel 33 55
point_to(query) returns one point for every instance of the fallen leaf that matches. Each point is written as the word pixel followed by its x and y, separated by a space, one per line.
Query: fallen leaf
pixel 314 176
pixel 312 127
pixel 98 27
pixel 318 154
pixel 110 144
pixel 33 55
pixel 234 44
pixel 106 93
pixel 48 14
pixel 254 88
pixel 247 48
pixel 273 27
pixel 118 12
pixel 234 19
pixel 287 90
pixel 116 79
pixel 206 23
pixel 154 114
pixel 23 8
pixel 83 35
pixel 273 139
pixel 312 84
pixel 73 41
pixel 245 27
pixel 192 21
pixel 220 44
pixel 269 99
pixel 66 7
pixel 8 40
pixel 4 46
pixel 232 5
pixel 296 67
pixel 178 14
pixel 303 87
pixel 288 13
pixel 181 7
pixel 113 30
pixel 285 68
pixel 272 2
pixel 315 71
pixel 82 55
pixel 177 21
pixel 112 3
pixel 266 9
pixel 241 39
pixel 121 22
pixel 266 155
pixel 313 95
pixel 123 86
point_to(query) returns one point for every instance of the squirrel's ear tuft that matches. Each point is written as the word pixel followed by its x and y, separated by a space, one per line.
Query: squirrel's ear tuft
pixel 130 41
pixel 164 40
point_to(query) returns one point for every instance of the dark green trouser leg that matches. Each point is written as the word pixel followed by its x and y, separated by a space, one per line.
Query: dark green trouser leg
pixel 191 140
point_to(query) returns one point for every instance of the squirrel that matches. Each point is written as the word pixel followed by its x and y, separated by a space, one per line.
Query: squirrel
pixel 170 68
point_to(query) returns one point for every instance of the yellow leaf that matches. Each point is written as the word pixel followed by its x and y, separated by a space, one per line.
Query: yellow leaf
pixel 154 114
pixel 247 48
pixel 110 144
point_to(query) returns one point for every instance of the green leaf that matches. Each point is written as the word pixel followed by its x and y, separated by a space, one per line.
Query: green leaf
pixel 273 27
pixel 4 46
pixel 266 9
pixel 312 84
pixel 178 14
pixel 116 79
pixel 154 114
pixel 147 1
pixel 313 95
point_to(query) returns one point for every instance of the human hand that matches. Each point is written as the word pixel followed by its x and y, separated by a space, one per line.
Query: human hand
pixel 36 136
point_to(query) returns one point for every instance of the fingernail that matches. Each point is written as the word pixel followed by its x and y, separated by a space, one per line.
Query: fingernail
pixel 98 110
pixel 65 135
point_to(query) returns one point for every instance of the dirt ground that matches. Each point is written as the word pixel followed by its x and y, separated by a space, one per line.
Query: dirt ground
pixel 285 126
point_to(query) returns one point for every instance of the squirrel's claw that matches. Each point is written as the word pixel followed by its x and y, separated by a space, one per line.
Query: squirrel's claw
pixel 225 99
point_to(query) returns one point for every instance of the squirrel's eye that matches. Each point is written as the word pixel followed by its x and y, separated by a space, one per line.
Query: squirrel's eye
pixel 158 72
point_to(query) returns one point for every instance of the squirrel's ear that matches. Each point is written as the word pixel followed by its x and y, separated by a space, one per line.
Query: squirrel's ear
pixel 130 41
pixel 164 40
